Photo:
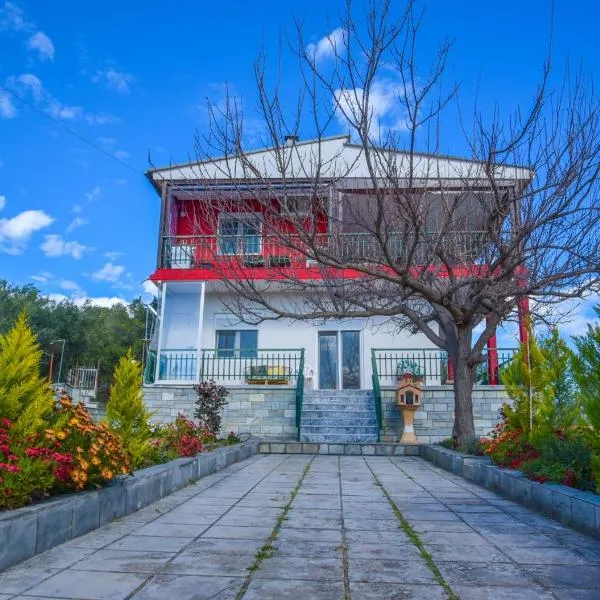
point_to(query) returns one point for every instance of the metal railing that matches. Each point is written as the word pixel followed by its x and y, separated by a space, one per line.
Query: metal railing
pixel 300 393
pixel 288 250
pixel 431 364
pixel 178 364
pixel 252 367
pixel 376 394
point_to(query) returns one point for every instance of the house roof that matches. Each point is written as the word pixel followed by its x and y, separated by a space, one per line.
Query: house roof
pixel 337 158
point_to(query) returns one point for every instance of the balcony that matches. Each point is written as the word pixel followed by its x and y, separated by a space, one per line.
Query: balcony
pixel 274 252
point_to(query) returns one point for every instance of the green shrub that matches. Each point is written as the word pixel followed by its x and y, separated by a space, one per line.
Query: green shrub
pixel 586 368
pixel 474 446
pixel 126 413
pixel 25 397
pixel 563 458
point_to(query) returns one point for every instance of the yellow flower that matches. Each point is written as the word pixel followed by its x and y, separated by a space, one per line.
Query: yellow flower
pixel 74 421
pixel 84 464
pixel 107 474
pixel 95 461
pixel 61 435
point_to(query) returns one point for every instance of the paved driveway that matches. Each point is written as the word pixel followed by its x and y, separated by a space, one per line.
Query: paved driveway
pixel 325 527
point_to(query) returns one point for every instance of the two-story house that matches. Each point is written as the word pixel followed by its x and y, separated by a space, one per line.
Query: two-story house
pixel 284 374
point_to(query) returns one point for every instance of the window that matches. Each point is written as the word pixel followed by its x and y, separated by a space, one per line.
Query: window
pixel 237 343
pixel 240 234
pixel 297 205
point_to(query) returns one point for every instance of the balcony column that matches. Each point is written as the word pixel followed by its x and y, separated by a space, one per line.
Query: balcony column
pixel 161 321
pixel 200 328
pixel 492 359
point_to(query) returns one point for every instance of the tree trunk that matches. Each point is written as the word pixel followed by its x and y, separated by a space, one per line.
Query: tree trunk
pixel 464 377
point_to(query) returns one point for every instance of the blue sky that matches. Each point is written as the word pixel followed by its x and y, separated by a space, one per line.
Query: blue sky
pixel 132 78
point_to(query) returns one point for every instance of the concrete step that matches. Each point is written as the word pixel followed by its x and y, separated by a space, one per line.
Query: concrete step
pixel 347 438
pixel 363 421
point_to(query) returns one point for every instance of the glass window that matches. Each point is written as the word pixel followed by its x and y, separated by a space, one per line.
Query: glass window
pixel 350 360
pixel 237 342
pixel 240 234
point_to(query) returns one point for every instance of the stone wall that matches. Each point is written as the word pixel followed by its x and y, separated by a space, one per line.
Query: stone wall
pixel 264 412
pixel 434 420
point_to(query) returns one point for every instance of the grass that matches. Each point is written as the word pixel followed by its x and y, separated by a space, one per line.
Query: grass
pixel 267 550
pixel 416 540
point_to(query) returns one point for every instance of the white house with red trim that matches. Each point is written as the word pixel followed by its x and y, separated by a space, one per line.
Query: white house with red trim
pixel 296 363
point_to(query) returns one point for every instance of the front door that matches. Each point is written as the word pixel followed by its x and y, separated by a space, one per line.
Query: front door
pixel 339 360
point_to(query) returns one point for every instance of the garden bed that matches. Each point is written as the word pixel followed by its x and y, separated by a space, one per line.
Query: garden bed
pixel 32 529
pixel 572 507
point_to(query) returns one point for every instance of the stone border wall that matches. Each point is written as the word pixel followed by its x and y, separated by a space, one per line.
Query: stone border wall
pixel 577 509
pixel 30 530
pixel 267 412
pixel 285 447
pixel 435 418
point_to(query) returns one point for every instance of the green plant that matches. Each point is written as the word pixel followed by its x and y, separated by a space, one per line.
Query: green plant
pixel 564 457
pixel 586 368
pixel 475 446
pixel 541 374
pixel 126 413
pixel 210 402
pixel 407 366
pixel 25 397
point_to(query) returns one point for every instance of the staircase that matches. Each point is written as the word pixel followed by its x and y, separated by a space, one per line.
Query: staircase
pixel 338 416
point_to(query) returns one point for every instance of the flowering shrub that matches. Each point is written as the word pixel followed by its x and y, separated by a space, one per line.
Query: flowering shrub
pixel 183 437
pixel 210 403
pixel 24 475
pixel 97 453
pixel 509 447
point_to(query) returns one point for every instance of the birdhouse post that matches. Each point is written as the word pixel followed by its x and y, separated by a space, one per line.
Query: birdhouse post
pixel 408 399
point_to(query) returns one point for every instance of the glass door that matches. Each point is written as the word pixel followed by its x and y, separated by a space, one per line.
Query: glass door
pixel 339 360
pixel 328 360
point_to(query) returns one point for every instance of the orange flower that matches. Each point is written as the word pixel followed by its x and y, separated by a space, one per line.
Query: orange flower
pixel 61 435
pixel 107 474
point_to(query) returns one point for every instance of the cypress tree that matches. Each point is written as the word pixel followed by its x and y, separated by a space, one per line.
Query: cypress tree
pixel 126 413
pixel 26 398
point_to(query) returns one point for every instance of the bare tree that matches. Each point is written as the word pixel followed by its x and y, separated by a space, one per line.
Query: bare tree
pixel 396 230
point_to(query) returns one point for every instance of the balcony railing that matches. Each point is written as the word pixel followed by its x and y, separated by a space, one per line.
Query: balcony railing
pixel 276 252
pixel 433 366
pixel 252 367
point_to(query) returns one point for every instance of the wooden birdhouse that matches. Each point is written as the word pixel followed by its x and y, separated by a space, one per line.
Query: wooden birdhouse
pixel 408 398
pixel 408 394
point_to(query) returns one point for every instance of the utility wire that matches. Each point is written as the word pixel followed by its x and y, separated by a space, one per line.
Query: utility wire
pixel 71 131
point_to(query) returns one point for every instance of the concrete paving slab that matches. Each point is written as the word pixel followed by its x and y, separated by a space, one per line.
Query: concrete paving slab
pixel 198 543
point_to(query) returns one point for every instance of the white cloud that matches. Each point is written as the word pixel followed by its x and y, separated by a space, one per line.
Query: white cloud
pixel 7 107
pixel 30 84
pixel 112 256
pixel 70 286
pixel 109 272
pixel 94 194
pixel 75 223
pixel 2 202
pixel 386 110
pixel 328 46
pixel 42 44
pixel 77 208
pixel 101 301
pixel 54 246
pixel 122 154
pixel 13 18
pixel 15 232
pixel 100 119
pixel 42 277
pixel 113 79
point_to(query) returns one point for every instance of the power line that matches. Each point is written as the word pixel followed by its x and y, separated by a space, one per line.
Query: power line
pixel 71 131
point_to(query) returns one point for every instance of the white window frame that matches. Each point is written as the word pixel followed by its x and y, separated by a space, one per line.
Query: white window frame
pixel 239 217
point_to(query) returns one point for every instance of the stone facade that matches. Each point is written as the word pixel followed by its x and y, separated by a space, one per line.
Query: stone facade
pixel 271 412
pixel 264 412
pixel 435 418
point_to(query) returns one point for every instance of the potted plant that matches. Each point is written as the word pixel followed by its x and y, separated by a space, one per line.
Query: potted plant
pixel 409 371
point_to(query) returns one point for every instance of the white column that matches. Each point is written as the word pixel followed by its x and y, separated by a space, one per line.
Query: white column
pixel 163 301
pixel 200 328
